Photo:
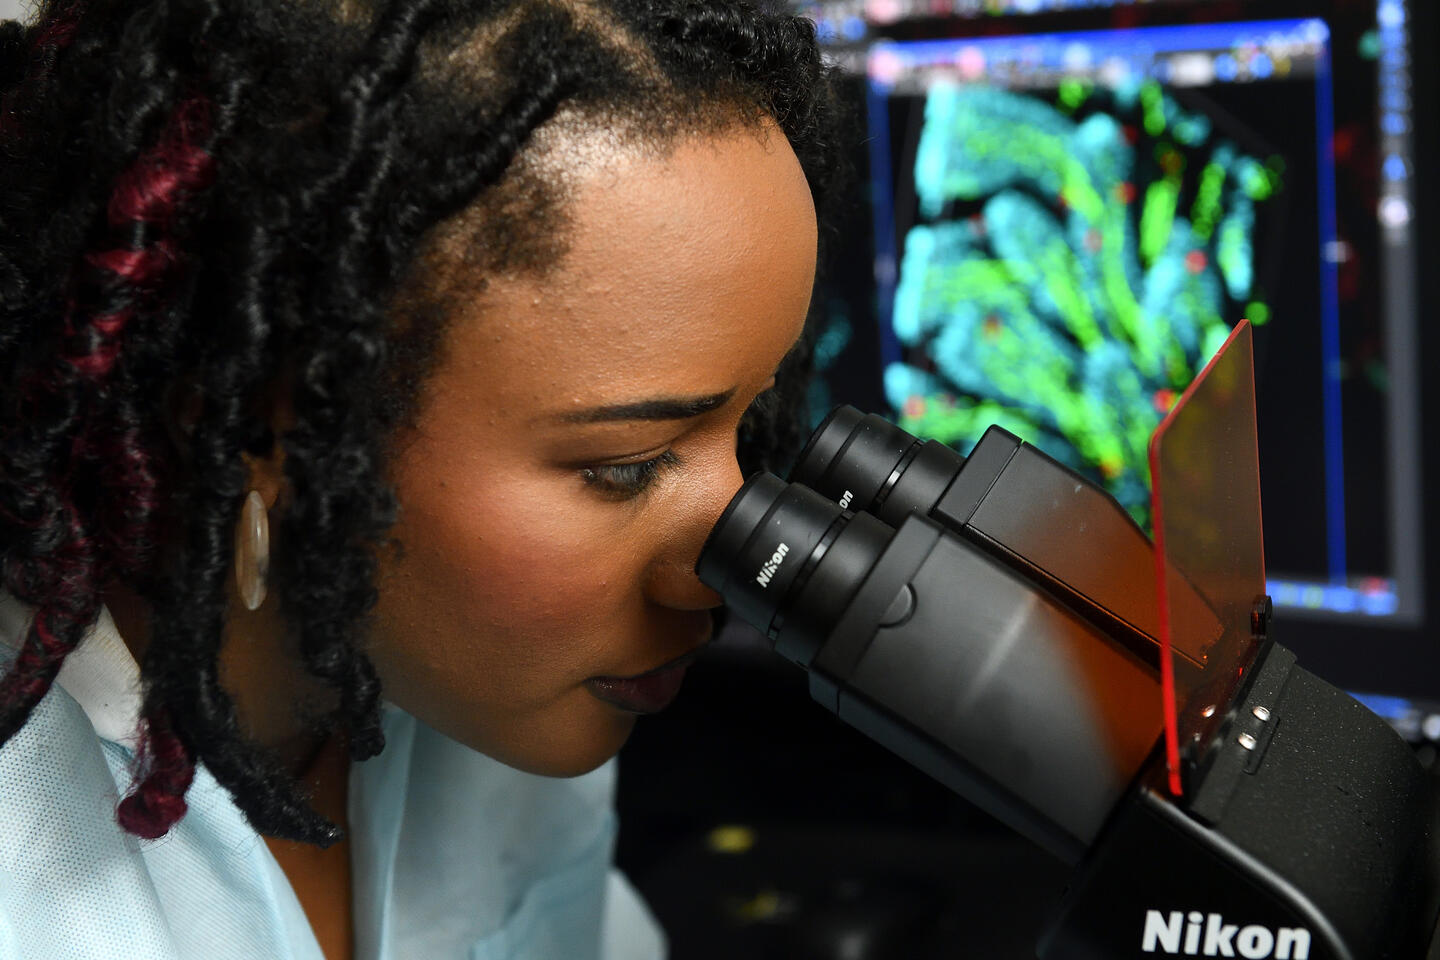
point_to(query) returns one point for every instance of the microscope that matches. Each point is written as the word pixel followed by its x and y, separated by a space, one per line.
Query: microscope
pixel 1003 624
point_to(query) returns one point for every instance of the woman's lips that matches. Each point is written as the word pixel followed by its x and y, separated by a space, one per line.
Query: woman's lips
pixel 647 692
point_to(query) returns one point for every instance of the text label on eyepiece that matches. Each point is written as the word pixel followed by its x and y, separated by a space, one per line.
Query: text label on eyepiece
pixel 773 564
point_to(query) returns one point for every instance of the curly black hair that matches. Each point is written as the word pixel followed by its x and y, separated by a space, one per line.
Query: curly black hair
pixel 209 202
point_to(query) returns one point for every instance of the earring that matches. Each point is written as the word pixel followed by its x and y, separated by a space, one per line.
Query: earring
pixel 252 551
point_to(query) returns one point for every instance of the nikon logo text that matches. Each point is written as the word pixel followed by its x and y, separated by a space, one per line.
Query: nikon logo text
pixel 1208 935
pixel 773 564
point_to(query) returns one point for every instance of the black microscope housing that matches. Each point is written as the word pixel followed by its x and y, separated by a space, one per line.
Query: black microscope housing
pixel 992 619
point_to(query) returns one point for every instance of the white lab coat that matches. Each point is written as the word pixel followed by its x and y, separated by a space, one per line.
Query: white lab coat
pixel 453 853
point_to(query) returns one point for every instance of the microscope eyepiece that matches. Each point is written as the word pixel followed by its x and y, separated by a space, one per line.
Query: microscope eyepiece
pixel 865 463
pixel 826 443
pixel 787 561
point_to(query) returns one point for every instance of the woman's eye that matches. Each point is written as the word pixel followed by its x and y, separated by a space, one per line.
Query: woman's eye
pixel 624 481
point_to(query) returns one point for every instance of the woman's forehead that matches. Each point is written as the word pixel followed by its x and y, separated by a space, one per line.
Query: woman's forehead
pixel 693 265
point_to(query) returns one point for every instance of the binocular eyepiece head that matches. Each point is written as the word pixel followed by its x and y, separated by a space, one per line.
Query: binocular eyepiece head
pixel 788 557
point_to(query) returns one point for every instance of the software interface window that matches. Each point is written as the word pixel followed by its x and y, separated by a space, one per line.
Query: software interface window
pixel 1066 225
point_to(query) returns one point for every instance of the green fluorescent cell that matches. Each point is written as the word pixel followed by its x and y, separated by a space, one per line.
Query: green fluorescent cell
pixel 1257 181
pixel 1157 217
pixel 1257 312
pixel 1235 250
pixel 1073 93
pixel 1369 45
pixel 1152 100
pixel 1205 212
pixel 1274 172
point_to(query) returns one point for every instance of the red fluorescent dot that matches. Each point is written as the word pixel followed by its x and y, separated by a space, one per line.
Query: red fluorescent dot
pixel 1125 192
pixel 1092 240
pixel 1164 399
pixel 1131 133
pixel 992 327
pixel 914 408
pixel 1344 142
pixel 1195 261
pixel 1110 469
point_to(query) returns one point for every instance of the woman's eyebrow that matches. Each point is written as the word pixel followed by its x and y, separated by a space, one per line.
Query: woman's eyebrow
pixel 663 408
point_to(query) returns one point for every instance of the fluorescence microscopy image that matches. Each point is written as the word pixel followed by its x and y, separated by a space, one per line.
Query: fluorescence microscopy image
pixel 1075 257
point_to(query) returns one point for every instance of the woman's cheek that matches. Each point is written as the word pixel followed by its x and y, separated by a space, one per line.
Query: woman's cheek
pixel 558 555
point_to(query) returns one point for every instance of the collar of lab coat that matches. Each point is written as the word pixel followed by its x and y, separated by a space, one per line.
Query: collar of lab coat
pixel 100 674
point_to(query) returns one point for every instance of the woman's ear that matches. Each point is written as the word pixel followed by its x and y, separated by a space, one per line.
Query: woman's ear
pixel 264 459
pixel 267 474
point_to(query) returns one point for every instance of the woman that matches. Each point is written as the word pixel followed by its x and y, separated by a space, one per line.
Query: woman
pixel 360 351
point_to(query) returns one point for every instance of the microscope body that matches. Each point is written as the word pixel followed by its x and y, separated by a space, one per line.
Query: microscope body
pixel 1311 833
pixel 993 621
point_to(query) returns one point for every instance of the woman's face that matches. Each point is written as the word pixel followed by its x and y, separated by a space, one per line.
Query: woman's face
pixel 576 444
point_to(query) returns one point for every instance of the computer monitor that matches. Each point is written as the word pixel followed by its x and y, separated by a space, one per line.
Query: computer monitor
pixel 1066 222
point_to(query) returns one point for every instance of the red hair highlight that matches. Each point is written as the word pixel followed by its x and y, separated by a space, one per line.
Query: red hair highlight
pixel 98 362
pixel 153 807
pixel 111 323
pixel 58 32
pixel 36 664
pixel 145 270
pixel 129 282
pixel 152 189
